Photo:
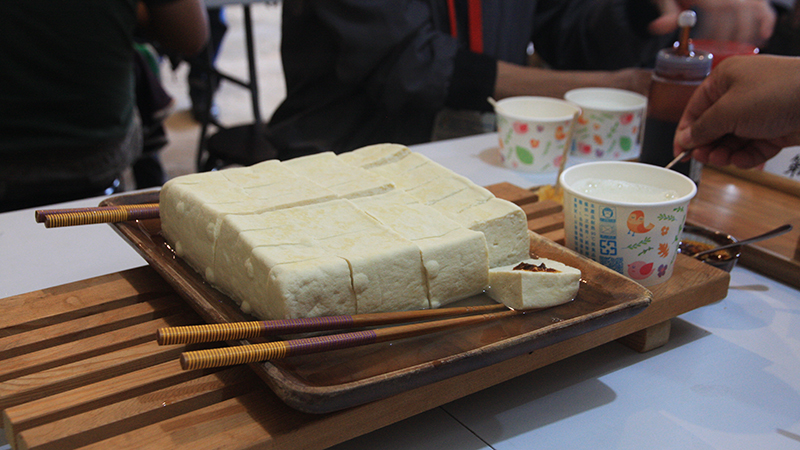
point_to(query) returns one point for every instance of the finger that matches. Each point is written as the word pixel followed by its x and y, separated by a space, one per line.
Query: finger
pixel 701 154
pixel 717 120
pixel 746 29
pixel 746 160
pixel 665 24
pixel 754 154
pixel 768 21
pixel 719 156
pixel 723 148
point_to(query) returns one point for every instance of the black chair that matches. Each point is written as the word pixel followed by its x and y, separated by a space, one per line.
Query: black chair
pixel 241 144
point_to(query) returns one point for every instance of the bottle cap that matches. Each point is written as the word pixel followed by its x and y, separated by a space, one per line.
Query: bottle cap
pixel 695 66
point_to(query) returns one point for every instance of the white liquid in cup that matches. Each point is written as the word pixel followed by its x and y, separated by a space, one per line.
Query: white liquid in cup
pixel 623 191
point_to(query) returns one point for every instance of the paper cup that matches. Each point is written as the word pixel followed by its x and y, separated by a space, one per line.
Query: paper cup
pixel 532 132
pixel 610 127
pixel 638 236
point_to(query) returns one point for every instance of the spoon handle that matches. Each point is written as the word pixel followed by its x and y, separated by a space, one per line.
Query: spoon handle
pixel 776 232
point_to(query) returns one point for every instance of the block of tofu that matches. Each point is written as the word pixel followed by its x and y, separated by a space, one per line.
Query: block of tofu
pixel 377 229
pixel 505 226
pixel 533 284
pixel 375 155
pixel 329 171
pixel 455 260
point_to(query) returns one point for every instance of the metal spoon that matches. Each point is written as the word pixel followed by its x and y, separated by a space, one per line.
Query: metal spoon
pixel 776 232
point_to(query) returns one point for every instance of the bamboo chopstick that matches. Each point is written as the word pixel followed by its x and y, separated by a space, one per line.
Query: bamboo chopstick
pixel 193 334
pixel 226 356
pixel 100 214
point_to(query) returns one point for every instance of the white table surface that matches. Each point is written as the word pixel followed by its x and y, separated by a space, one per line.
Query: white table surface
pixel 729 377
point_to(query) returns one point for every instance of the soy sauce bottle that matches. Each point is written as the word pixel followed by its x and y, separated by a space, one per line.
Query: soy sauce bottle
pixel 678 72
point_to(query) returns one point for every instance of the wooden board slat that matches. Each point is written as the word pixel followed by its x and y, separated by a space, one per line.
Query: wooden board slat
pixel 131 414
pixel 92 396
pixel 60 304
pixel 85 327
pixel 80 373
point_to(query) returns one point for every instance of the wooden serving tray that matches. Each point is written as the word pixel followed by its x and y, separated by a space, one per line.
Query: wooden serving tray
pixel 82 369
pixel 331 381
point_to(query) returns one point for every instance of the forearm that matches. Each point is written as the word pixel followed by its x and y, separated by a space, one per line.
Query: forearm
pixel 513 80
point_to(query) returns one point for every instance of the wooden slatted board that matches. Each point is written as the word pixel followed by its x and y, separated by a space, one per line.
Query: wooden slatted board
pixel 81 368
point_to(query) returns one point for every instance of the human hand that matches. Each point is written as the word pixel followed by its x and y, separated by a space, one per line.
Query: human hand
pixel 744 113
pixel 750 21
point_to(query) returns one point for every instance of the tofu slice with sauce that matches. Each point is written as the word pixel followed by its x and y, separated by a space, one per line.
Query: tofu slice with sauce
pixel 534 284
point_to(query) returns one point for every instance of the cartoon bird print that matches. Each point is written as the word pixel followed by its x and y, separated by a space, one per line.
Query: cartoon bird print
pixel 640 270
pixel 636 223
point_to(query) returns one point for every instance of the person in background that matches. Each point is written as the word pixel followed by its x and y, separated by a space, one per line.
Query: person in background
pixel 68 122
pixel 200 79
pixel 744 113
pixel 360 72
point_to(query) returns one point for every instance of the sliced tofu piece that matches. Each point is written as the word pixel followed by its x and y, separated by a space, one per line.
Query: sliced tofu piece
pixel 193 210
pixel 329 171
pixel 375 155
pixel 408 172
pixel 505 226
pixel 386 269
pixel 533 284
pixel 283 236
pixel 272 277
pixel 471 195
pixel 455 265
pixel 307 288
pixel 189 212
pixel 455 259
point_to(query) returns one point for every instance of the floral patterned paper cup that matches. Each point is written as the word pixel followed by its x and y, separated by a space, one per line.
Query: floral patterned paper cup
pixel 627 216
pixel 610 126
pixel 532 132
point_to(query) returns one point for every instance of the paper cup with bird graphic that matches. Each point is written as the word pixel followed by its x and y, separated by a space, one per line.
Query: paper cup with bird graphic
pixel 532 132
pixel 610 126
pixel 627 216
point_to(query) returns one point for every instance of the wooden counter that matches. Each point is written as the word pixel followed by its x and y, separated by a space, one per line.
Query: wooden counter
pixel 745 204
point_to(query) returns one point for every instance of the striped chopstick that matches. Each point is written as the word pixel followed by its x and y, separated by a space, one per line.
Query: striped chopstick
pixel 227 356
pixel 100 214
pixel 193 334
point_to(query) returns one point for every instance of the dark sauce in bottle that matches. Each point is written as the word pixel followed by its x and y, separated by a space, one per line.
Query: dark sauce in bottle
pixel 675 78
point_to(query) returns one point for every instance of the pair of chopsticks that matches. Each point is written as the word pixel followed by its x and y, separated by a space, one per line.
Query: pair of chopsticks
pixel 226 356
pixel 99 214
